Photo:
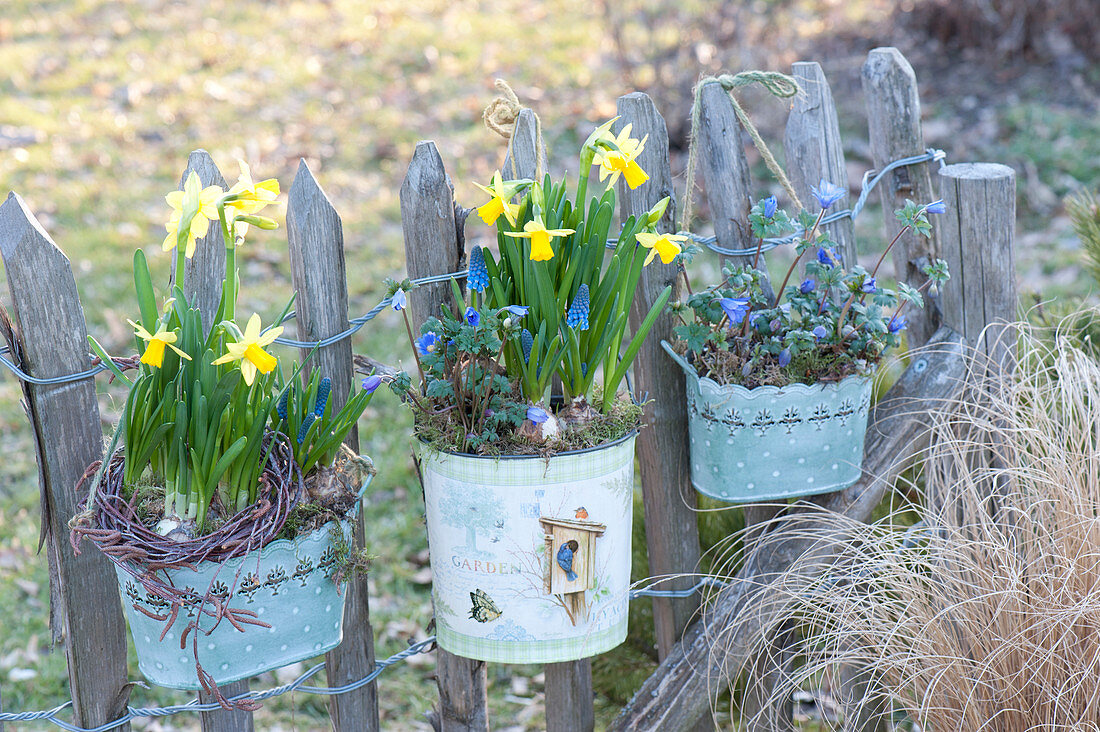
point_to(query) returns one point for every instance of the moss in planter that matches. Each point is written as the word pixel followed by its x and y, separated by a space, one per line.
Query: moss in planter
pixel 814 367
pixel 623 417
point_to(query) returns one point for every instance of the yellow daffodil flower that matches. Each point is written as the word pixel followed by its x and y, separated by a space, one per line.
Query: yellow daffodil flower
pixel 540 237
pixel 666 245
pixel 498 202
pixel 622 161
pixel 249 350
pixel 193 198
pixel 252 197
pixel 154 352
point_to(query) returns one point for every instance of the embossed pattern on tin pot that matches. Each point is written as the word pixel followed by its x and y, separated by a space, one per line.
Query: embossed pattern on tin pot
pixel 530 555
pixel 771 443
pixel 288 584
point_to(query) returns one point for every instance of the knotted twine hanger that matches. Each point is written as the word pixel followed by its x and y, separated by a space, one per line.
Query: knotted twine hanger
pixel 779 85
pixel 501 115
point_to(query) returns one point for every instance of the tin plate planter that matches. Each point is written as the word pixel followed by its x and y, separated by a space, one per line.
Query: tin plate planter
pixel 288 584
pixel 530 556
pixel 771 443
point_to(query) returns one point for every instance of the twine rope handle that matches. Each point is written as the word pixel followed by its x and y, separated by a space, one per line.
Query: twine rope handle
pixel 501 115
pixel 778 85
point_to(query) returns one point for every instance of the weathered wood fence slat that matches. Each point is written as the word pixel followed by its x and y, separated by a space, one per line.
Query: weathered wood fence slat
pixel 976 237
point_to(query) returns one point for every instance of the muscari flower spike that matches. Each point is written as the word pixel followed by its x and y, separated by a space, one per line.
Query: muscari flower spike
pixel 526 342
pixel 577 317
pixel 306 424
pixel 827 193
pixel 322 396
pixel 478 276
pixel 283 399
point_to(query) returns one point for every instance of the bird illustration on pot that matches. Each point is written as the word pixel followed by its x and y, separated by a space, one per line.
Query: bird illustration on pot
pixel 566 553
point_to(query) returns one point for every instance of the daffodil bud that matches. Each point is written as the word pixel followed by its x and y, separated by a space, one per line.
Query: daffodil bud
pixel 261 222
pixel 657 212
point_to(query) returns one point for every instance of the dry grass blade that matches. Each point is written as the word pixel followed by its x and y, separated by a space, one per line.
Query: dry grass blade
pixel 988 618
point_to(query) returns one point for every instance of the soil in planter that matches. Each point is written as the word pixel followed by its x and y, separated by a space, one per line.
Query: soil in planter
pixel 816 367
pixel 330 493
pixel 582 427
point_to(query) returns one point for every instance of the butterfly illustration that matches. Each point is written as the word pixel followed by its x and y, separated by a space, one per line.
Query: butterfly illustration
pixel 484 609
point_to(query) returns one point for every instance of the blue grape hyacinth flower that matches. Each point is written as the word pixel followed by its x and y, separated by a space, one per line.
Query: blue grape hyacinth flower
pixel 478 276
pixel 577 317
pixel 322 396
pixel 526 342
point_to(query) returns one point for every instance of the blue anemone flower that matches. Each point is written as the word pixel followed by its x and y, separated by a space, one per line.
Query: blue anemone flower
pixel 770 206
pixel 537 415
pixel 516 310
pixel 784 357
pixel 936 207
pixel 478 276
pixel 473 317
pixel 577 317
pixel 398 301
pixel 827 193
pixel 807 286
pixel 427 343
pixel 371 383
pixel 736 308
pixel 868 286
pixel 828 256
pixel 820 332
pixel 897 323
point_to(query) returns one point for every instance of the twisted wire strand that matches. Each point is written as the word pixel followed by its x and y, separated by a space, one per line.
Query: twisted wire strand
pixel 870 180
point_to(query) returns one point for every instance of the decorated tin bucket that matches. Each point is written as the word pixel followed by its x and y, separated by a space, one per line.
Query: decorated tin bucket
pixel 771 443
pixel 530 555
pixel 288 584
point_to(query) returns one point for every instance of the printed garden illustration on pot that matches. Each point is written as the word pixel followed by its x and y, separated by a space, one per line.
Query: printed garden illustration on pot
pixel 779 381
pixel 227 508
pixel 526 443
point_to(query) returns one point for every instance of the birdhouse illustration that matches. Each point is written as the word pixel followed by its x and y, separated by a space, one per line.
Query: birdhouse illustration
pixel 571 561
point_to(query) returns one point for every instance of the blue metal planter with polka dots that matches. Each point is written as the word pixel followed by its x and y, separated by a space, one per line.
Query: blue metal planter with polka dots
pixel 771 443
pixel 288 584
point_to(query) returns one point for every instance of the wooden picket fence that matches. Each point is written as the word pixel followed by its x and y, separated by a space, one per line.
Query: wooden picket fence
pixel 975 235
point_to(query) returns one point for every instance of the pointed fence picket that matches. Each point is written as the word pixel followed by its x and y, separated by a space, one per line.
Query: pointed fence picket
pixel 977 240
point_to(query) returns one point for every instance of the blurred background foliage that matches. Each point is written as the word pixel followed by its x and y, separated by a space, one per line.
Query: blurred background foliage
pixel 101 100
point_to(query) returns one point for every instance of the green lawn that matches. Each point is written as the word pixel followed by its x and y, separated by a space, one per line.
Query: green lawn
pixel 101 101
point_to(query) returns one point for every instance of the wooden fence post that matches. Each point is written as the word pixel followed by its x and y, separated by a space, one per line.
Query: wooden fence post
pixel 814 150
pixel 672 533
pixel 568 686
pixel 68 437
pixel 893 117
pixel 431 248
pixel 202 284
pixel 977 235
pixel 721 160
pixel 316 241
